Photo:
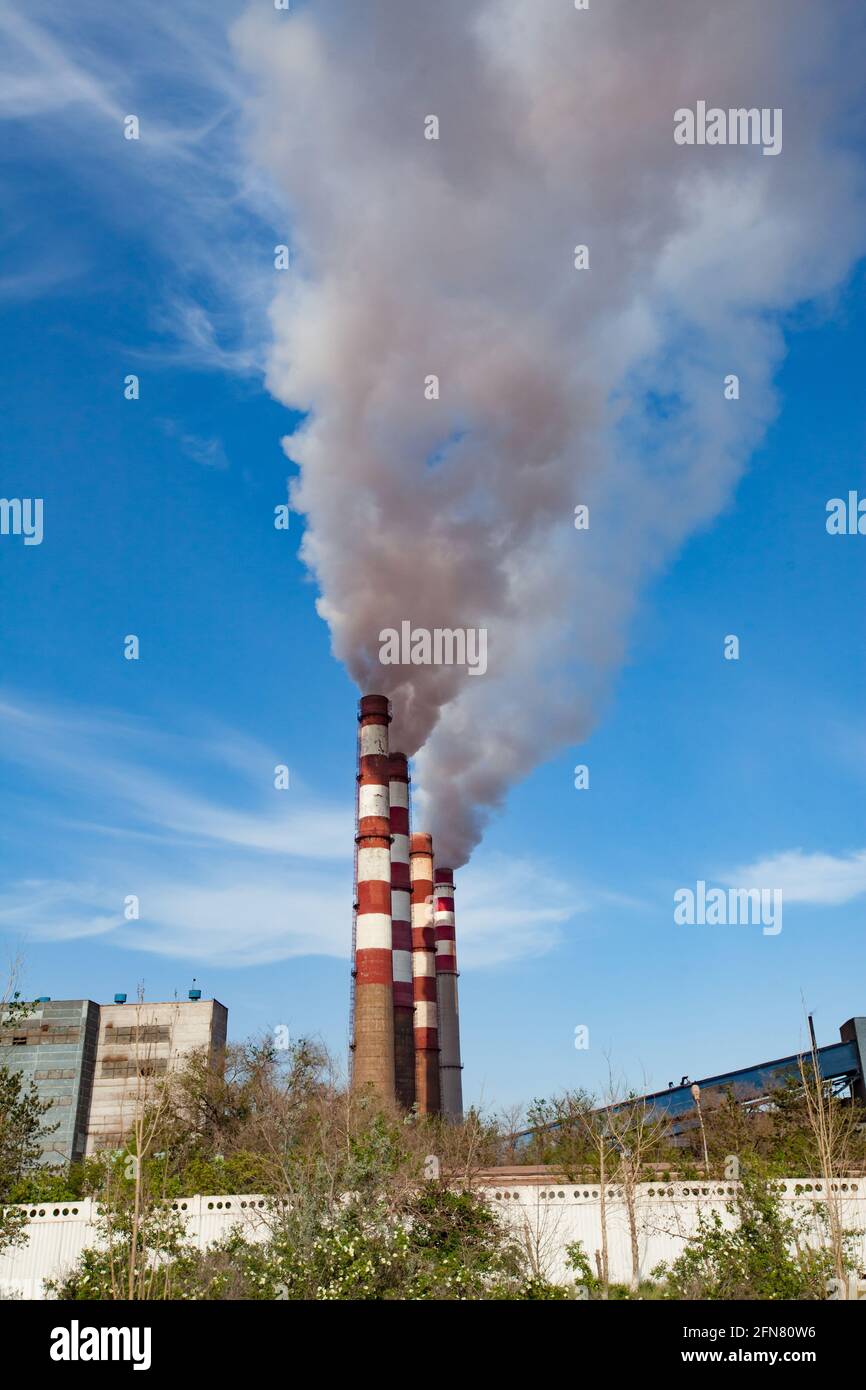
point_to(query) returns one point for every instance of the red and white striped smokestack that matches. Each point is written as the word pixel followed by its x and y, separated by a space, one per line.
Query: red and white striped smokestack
pixel 424 976
pixel 450 1065
pixel 401 933
pixel 374 995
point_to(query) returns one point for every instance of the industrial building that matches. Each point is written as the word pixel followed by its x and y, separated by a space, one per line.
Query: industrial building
pixel 841 1065
pixel 139 1042
pixel 55 1048
pixel 96 1063
pixel 405 1029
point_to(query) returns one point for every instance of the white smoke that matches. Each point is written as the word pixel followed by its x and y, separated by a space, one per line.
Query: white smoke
pixel 558 386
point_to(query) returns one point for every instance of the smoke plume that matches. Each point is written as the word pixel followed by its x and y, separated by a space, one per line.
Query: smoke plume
pixel 558 386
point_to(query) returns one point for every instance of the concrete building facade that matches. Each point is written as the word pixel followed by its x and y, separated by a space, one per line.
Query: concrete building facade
pixel 95 1062
pixel 55 1048
pixel 138 1044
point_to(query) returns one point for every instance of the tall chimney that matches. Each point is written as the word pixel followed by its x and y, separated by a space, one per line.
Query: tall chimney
pixel 401 933
pixel 374 995
pixel 424 975
pixel 450 1066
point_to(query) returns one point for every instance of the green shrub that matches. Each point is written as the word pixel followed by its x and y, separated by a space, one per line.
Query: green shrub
pixel 764 1256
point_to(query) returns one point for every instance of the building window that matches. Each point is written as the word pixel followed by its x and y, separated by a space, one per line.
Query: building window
pixel 32 1037
pixel 145 1032
pixel 115 1068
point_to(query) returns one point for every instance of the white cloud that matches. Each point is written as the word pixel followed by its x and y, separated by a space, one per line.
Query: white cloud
pixel 55 910
pixel 204 449
pixel 107 768
pixel 40 77
pixel 68 79
pixel 509 908
pixel 218 883
pixel 233 918
pixel 36 282
pixel 806 878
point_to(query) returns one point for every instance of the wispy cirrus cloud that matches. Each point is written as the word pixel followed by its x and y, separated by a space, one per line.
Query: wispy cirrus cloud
pixel 68 79
pixel 231 916
pixel 39 74
pixel 106 769
pixel 511 908
pixel 206 450
pixel 35 282
pixel 225 870
pixel 828 879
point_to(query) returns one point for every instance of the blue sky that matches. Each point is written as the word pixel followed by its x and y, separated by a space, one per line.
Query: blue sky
pixel 155 777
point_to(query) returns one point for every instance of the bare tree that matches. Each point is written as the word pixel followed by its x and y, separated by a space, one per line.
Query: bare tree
pixel 832 1128
pixel 635 1134
pixel 138 1224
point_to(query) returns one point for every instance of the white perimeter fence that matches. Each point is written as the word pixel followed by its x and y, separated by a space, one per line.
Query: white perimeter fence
pixel 547 1216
